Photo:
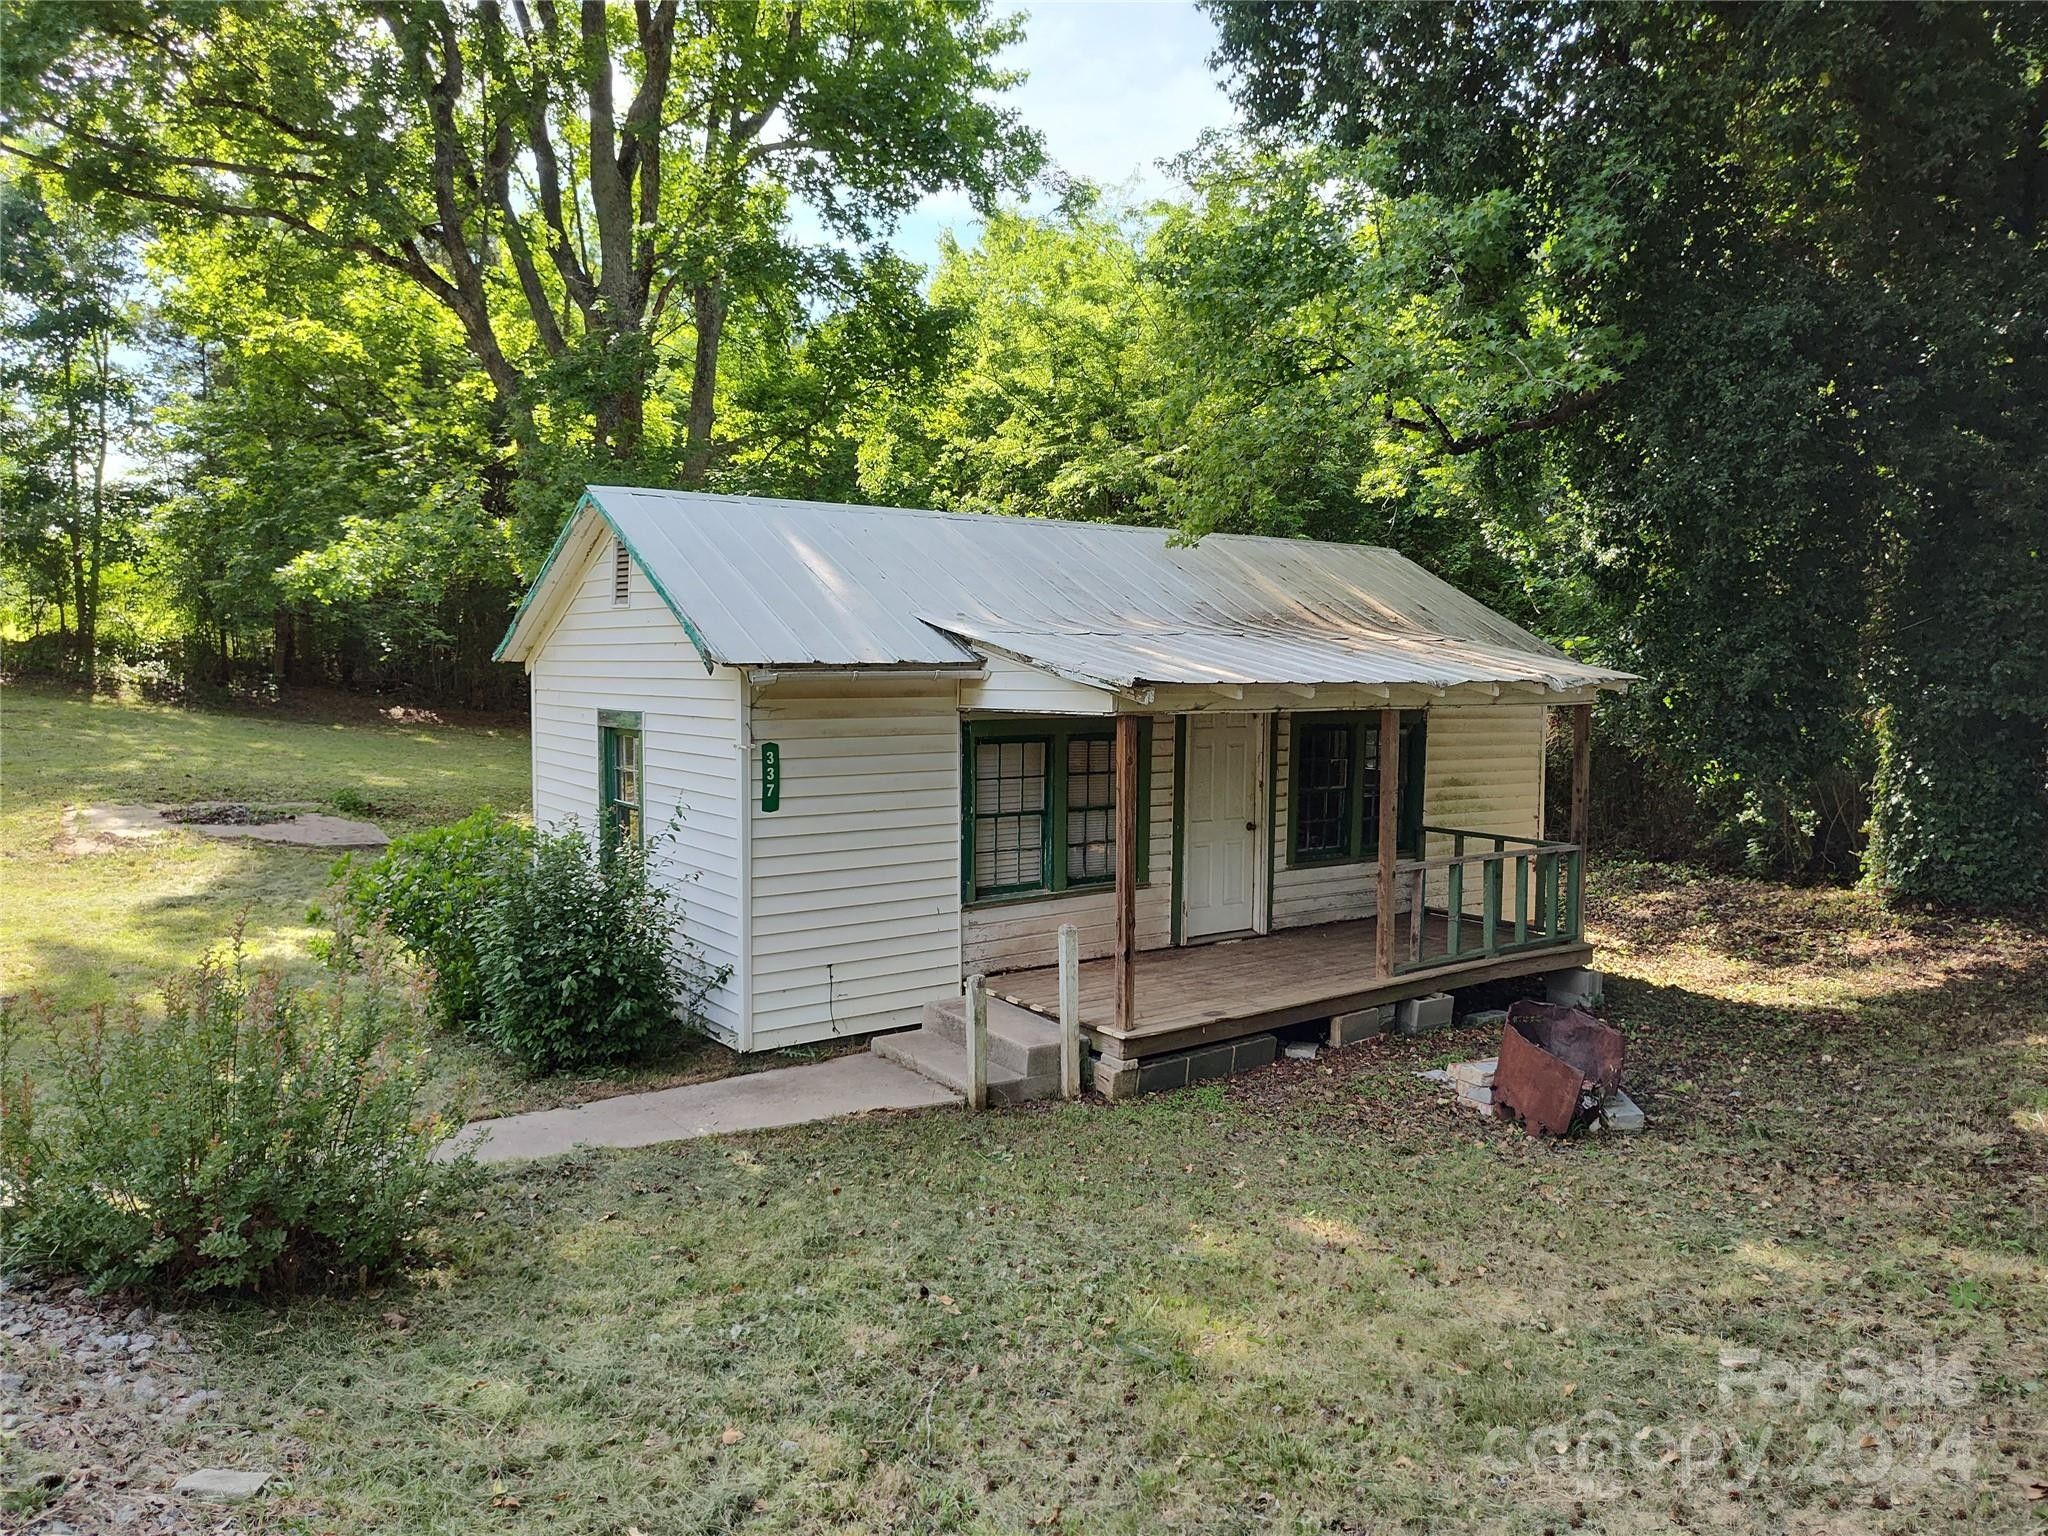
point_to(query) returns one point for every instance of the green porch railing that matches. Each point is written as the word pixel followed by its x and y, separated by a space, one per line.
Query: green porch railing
pixel 1531 896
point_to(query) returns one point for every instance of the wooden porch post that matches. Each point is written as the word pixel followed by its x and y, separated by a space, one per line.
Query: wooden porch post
pixel 1390 836
pixel 1582 772
pixel 1127 811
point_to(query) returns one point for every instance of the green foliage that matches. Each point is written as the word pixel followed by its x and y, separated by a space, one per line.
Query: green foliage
pixel 1813 485
pixel 256 1138
pixel 429 890
pixel 581 955
pixel 71 401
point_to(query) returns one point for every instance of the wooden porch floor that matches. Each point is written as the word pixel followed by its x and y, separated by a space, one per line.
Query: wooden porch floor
pixel 1208 992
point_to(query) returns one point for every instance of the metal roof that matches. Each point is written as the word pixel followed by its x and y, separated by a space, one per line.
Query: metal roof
pixel 766 583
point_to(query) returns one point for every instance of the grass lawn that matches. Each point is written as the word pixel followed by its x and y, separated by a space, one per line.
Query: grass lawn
pixel 1321 1298
pixel 80 929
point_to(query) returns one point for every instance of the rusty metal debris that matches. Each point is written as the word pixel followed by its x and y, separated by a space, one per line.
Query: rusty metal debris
pixel 1557 1065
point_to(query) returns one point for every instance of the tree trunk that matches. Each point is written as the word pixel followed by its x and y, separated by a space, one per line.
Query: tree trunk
pixel 709 303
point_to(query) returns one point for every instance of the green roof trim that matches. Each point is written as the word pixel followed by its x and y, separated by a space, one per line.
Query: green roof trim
pixel 588 501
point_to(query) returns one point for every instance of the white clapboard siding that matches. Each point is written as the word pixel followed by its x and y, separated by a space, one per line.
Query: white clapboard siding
pixel 1482 771
pixel 1021 935
pixel 856 878
pixel 605 656
pixel 1015 687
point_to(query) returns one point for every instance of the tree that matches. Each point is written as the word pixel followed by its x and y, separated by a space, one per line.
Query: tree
pixel 68 317
pixel 576 186
pixel 1816 478
pixel 1051 382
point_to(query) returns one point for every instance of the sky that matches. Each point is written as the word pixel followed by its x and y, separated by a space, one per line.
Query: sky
pixel 1114 86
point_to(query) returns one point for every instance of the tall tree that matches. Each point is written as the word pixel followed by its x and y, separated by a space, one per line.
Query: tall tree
pixel 1817 477
pixel 576 185
pixel 67 317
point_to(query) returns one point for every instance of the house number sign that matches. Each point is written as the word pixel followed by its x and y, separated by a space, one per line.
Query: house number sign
pixel 771 776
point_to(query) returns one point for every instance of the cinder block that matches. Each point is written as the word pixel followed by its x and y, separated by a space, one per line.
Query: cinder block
pixel 1478 1098
pixel 1622 1114
pixel 1211 1061
pixel 1115 1078
pixel 1255 1051
pixel 1163 1075
pixel 1350 1028
pixel 1487 1018
pixel 1415 1014
pixel 1578 988
pixel 1300 1050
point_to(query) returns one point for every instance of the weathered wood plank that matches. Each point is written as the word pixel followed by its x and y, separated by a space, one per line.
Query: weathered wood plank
pixel 1126 869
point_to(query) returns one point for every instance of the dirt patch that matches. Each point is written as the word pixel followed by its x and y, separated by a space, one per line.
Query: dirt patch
pixel 107 828
pixel 227 815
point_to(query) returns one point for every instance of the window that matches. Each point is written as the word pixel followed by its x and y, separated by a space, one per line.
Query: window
pixel 622 574
pixel 1091 808
pixel 1009 816
pixel 1041 807
pixel 1333 802
pixel 620 799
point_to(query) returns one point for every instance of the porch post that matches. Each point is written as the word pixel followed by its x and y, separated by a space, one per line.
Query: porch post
pixel 1127 812
pixel 1389 835
pixel 1582 772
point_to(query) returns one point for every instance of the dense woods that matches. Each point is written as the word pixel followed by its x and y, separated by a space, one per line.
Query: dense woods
pixel 1703 341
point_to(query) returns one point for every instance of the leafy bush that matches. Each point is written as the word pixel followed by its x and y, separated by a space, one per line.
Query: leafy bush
pixel 581 957
pixel 427 890
pixel 258 1138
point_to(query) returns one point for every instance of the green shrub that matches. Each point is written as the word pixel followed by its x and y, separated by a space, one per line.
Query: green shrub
pixel 257 1138
pixel 427 890
pixel 581 957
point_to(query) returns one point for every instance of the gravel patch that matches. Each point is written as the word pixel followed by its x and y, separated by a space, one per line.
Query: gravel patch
pixel 103 1407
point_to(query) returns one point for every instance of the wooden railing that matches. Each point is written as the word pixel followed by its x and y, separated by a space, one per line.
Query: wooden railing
pixel 1531 895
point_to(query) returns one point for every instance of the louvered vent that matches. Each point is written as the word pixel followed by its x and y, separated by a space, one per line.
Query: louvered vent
pixel 622 572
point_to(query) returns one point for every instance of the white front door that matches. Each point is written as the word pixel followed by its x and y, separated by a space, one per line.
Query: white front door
pixel 1220 836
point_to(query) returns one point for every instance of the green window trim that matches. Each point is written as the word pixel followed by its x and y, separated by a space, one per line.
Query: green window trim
pixel 1054 734
pixel 621 777
pixel 1359 839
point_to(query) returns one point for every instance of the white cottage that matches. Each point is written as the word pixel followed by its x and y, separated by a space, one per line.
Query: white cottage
pixel 904 747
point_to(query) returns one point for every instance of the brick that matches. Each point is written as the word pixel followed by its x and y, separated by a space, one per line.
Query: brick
pixel 1476 1074
pixel 1416 1014
pixel 1350 1028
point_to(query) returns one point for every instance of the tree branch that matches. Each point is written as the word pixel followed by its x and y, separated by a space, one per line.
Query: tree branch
pixel 1455 445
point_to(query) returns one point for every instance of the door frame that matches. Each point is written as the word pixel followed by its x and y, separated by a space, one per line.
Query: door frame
pixel 1263 789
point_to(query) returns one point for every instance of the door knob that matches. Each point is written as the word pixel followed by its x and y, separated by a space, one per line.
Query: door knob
pixel 1251 826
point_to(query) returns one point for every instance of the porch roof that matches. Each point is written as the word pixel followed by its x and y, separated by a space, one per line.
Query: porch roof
pixel 1219 655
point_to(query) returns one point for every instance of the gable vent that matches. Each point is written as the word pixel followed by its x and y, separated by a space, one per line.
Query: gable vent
pixel 622 572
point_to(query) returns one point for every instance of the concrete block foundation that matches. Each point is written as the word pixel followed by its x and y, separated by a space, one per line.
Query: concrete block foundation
pixel 1416 1014
pixel 1350 1028
pixel 1116 1078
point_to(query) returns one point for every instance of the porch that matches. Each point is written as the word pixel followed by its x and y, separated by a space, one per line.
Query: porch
pixel 1517 913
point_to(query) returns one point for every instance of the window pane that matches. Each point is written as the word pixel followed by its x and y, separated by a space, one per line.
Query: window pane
pixel 1369 789
pixel 1091 808
pixel 1009 815
pixel 1322 791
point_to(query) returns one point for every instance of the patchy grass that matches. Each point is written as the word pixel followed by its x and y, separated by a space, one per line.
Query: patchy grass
pixel 1322 1298
pixel 83 929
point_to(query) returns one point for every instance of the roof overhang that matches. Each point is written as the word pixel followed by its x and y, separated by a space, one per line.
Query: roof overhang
pixel 551 587
pixel 1142 659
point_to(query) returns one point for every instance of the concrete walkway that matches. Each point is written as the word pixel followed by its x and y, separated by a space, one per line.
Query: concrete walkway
pixel 757 1101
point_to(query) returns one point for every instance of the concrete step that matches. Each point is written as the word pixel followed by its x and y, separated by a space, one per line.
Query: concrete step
pixel 1025 1042
pixel 938 1056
